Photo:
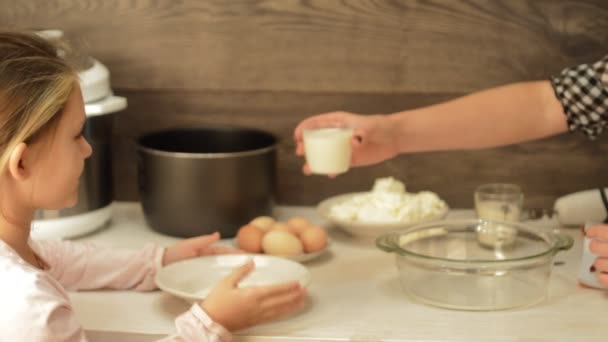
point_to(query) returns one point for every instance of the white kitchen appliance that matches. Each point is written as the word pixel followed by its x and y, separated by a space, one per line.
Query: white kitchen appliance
pixel 93 209
pixel 581 207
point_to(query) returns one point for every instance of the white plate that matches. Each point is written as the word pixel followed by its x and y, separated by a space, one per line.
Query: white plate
pixel 192 279
pixel 304 257
pixel 367 230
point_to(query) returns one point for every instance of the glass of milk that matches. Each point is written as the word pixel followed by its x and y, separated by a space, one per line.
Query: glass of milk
pixel 498 202
pixel 328 149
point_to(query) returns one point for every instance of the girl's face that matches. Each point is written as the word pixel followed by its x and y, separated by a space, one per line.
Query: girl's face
pixel 60 158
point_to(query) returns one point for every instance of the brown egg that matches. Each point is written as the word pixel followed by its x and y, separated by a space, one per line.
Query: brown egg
pixel 249 238
pixel 280 242
pixel 263 222
pixel 281 226
pixel 313 239
pixel 298 224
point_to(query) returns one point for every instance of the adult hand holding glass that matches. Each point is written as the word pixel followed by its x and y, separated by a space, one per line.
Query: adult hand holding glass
pixel 373 138
pixel 487 118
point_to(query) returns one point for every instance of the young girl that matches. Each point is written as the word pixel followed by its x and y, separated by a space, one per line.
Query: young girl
pixel 42 153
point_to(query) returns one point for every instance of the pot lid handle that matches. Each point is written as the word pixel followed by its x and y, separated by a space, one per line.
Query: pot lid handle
pixel 386 243
pixel 563 242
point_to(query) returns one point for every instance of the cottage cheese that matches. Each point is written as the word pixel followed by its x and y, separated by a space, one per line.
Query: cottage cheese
pixel 389 202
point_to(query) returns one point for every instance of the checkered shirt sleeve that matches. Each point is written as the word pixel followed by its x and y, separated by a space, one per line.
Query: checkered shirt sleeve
pixel 583 92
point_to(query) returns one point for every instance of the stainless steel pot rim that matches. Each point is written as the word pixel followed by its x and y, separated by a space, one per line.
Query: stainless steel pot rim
pixel 208 155
pixel 190 155
pixel 389 243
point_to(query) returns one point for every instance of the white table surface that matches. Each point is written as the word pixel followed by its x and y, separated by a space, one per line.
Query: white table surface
pixel 354 296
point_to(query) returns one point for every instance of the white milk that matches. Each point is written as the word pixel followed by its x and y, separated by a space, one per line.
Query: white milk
pixel 497 211
pixel 328 150
pixel 497 235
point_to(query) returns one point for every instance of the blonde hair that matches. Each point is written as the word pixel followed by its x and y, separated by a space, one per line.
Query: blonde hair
pixel 35 84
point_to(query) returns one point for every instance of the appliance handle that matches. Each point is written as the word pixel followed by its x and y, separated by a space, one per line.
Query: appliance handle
pixel 108 105
pixel 605 201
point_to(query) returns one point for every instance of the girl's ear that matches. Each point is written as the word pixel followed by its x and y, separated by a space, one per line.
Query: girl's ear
pixel 16 166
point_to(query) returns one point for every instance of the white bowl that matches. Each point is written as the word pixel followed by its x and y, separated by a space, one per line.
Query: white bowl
pixel 192 279
pixel 367 230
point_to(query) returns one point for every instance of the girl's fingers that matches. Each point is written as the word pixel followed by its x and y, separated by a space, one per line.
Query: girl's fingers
pixel 239 273
pixel 285 299
pixel 264 292
pixel 223 250
pixel 283 310
pixel 203 241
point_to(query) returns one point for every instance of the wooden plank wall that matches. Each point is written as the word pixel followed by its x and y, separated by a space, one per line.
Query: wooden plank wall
pixel 271 63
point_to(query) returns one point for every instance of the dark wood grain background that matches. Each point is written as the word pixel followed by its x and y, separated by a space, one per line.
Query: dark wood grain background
pixel 270 63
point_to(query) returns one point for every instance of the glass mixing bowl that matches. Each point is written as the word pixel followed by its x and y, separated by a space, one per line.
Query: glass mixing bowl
pixel 446 264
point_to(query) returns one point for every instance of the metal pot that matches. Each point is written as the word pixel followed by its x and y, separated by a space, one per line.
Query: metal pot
pixel 449 264
pixel 197 181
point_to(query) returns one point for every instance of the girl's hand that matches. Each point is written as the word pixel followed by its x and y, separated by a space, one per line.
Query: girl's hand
pixel 194 247
pixel 375 137
pixel 599 246
pixel 237 308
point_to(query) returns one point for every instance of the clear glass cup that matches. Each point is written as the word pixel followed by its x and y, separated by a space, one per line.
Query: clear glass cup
pixel 498 202
pixel 328 149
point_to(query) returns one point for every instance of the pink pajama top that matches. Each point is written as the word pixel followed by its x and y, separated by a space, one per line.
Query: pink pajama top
pixel 35 306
